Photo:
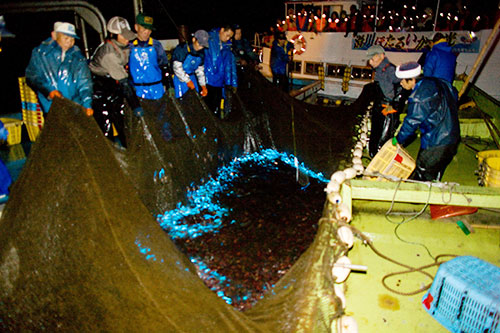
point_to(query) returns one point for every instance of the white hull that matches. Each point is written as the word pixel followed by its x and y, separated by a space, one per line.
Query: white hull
pixel 334 48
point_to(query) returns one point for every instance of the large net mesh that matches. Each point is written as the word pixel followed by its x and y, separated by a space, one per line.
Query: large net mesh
pixel 80 249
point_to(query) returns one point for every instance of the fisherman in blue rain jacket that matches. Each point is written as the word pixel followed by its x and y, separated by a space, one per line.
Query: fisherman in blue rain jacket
pixel 220 70
pixel 58 69
pixel 280 57
pixel 433 109
pixel 440 61
pixel 148 63
pixel 188 65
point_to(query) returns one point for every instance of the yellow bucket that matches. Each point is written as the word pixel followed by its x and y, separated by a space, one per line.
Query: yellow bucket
pixel 485 154
pixel 492 171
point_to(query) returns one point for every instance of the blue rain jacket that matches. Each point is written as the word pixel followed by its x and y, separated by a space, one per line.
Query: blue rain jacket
pixel 144 63
pixel 432 108
pixel 440 62
pixel 220 64
pixel 280 56
pixel 46 72
pixel 187 65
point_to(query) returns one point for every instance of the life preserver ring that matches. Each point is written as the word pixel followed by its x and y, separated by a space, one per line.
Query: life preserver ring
pixel 299 43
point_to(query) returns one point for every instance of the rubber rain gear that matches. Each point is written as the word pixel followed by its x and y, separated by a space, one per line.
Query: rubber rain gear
pixel 188 65
pixel 148 65
pixel 433 109
pixel 440 62
pixel 48 70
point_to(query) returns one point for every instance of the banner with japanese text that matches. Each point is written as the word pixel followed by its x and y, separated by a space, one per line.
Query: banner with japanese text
pixel 461 41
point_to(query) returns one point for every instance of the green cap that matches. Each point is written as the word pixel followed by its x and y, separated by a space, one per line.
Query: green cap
pixel 145 21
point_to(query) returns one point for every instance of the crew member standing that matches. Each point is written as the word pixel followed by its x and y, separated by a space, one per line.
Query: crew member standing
pixel 111 83
pixel 387 99
pixel 188 65
pixel 149 67
pixel 220 71
pixel 440 61
pixel 281 53
pixel 57 68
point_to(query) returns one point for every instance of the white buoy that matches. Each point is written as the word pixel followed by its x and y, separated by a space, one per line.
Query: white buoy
pixel 332 186
pixel 346 324
pixel 335 198
pixel 338 176
pixel 346 236
pixel 357 160
pixel 359 168
pixel 339 271
pixel 350 173
pixel 364 128
pixel 363 136
pixel 343 213
pixel 357 153
pixel 359 145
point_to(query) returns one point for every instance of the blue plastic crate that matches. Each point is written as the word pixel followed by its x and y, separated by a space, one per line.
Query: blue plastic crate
pixel 465 296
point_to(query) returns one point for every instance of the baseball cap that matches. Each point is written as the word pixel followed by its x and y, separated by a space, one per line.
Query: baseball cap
pixel 202 37
pixel 408 70
pixel 66 28
pixel 145 21
pixel 374 49
pixel 118 25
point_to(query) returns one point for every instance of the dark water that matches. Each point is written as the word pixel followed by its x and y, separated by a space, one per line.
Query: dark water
pixel 270 221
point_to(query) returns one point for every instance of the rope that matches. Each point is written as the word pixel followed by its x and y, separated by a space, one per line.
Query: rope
pixel 409 269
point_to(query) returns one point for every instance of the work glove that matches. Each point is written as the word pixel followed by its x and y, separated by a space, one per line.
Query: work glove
pixel 89 112
pixel 55 93
pixel 394 141
pixel 138 112
pixel 190 84
pixel 4 133
pixel 204 91
pixel 388 109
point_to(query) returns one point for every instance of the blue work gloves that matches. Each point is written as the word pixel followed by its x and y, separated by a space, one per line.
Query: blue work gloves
pixel 3 134
pixel 138 112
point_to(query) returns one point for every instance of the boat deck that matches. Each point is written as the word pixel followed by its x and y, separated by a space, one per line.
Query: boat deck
pixel 415 242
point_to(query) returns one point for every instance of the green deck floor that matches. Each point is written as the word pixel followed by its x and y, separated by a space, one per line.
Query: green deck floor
pixel 377 309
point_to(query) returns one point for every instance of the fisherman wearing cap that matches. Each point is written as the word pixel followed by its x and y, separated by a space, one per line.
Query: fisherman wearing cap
pixel 281 54
pixel 57 68
pixel 149 66
pixel 111 84
pixel 386 89
pixel 188 65
pixel 432 108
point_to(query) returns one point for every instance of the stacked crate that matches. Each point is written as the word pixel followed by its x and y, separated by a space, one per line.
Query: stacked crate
pixel 32 112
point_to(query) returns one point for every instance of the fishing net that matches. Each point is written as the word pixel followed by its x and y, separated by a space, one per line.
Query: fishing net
pixel 80 249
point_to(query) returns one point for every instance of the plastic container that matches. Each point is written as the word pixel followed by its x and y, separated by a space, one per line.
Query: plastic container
pixel 465 296
pixel 391 161
pixel 14 127
pixel 16 153
pixel 32 112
